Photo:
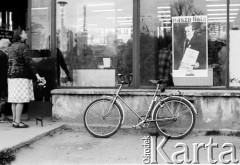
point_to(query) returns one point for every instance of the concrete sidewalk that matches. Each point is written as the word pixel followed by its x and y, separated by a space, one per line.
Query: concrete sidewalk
pixel 13 138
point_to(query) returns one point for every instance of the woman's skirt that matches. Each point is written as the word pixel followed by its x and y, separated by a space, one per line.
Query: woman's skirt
pixel 20 90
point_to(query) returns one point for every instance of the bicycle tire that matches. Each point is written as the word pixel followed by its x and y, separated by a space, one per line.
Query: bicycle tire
pixel 184 121
pixel 97 123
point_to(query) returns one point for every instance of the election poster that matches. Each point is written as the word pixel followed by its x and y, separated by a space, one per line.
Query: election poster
pixel 189 42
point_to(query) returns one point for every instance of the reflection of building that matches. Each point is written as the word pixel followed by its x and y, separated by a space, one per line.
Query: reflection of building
pixel 82 39
pixel 217 31
pixel 123 34
pixel 63 30
pixel 149 24
pixel 6 20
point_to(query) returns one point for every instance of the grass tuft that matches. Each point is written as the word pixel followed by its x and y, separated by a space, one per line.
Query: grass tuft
pixel 7 156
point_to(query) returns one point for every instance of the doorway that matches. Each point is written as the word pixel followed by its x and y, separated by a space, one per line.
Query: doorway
pixel 34 16
pixel 13 14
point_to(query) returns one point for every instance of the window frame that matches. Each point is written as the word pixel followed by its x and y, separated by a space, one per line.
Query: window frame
pixel 136 50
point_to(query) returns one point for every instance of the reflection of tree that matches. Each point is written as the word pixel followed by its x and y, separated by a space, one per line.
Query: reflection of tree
pixel 165 41
pixel 184 8
pixel 39 39
pixel 150 46
pixel 80 56
pixel 36 25
pixel 125 57
pixel 148 51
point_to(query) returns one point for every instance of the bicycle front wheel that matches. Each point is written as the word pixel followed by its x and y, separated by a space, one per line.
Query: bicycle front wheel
pixel 103 118
pixel 175 118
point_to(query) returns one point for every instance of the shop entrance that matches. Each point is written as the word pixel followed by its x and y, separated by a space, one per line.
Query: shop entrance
pixel 33 16
pixel 13 14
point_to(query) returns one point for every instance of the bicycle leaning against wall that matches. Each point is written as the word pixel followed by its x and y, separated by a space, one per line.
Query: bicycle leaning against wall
pixel 173 116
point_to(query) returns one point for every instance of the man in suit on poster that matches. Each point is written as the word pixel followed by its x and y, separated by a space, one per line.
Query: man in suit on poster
pixel 196 41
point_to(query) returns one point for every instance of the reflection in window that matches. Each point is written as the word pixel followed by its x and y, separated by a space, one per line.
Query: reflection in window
pixel 234 45
pixel 93 35
pixel 40 16
pixel 161 38
pixel 41 45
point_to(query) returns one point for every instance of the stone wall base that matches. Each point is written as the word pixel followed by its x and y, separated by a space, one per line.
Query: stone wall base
pixel 217 109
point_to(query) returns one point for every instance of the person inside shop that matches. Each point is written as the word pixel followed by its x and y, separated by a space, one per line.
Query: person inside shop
pixel 4 43
pixel 165 67
pixel 110 44
pixel 222 61
pixel 62 64
pixel 21 71
pixel 196 41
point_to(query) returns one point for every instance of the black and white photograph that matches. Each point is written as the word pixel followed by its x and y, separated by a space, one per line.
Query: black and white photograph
pixel 119 82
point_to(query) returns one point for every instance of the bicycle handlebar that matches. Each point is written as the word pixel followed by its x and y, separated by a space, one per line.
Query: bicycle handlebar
pixel 162 89
pixel 122 79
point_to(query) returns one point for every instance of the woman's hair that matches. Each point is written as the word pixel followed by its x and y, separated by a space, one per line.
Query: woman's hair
pixel 17 35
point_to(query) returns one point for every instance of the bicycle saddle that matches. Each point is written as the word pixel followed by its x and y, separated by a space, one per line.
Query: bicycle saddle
pixel 161 81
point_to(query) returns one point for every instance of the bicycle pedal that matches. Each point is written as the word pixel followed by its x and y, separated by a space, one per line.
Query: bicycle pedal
pixel 133 126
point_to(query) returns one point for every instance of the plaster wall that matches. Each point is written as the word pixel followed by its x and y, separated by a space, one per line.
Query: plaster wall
pixel 216 109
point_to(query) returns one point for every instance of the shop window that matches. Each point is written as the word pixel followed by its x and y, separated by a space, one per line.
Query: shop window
pixel 234 39
pixel 40 38
pixel 94 41
pixel 191 34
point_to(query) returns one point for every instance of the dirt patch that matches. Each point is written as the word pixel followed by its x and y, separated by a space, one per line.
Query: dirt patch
pixel 73 146
pixel 77 147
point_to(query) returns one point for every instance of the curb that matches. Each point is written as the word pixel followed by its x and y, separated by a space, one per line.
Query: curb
pixel 123 130
pixel 29 141
pixel 126 129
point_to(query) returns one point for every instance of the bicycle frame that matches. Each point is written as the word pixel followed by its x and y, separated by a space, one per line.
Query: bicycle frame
pixel 150 108
pixel 104 116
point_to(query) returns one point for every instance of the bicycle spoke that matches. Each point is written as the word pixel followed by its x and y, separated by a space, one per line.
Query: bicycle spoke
pixel 182 118
pixel 97 113
pixel 105 123
pixel 177 109
pixel 183 112
pixel 108 120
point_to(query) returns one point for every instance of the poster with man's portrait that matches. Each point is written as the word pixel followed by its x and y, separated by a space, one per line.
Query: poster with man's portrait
pixel 189 39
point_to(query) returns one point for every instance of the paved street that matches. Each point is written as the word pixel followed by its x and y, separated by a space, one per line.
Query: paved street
pixel 78 147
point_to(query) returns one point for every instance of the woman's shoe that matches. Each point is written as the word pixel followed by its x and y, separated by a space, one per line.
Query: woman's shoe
pixel 20 125
pixel 14 123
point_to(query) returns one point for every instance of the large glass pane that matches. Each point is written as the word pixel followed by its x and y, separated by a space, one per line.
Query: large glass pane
pixel 40 25
pixel 41 45
pixel 185 39
pixel 234 38
pixel 94 40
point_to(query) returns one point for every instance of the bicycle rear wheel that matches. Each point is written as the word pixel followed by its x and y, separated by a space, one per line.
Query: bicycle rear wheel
pixel 100 120
pixel 175 118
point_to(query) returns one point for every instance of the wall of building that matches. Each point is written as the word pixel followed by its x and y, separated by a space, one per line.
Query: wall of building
pixel 217 109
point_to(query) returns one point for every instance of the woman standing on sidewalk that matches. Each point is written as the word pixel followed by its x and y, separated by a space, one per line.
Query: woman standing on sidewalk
pixel 4 43
pixel 20 74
